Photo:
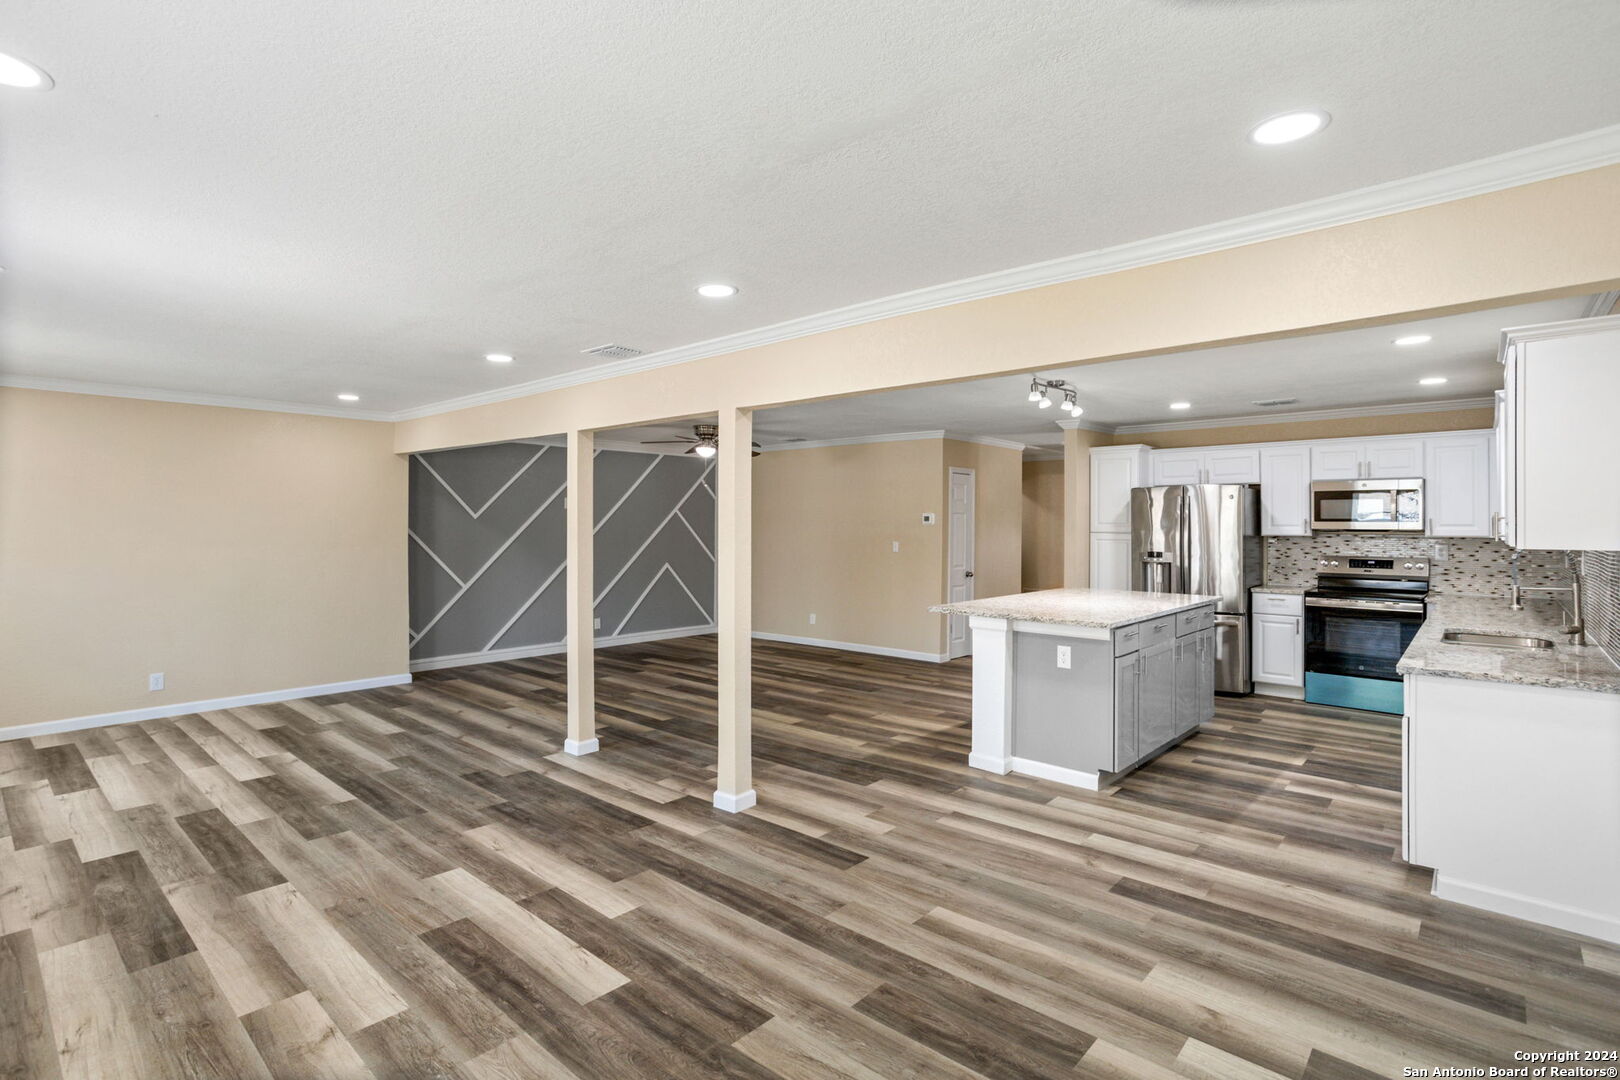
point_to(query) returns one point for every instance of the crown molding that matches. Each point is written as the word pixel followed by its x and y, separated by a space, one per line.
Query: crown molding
pixel 987 440
pixel 1602 303
pixel 1351 412
pixel 1084 425
pixel 183 397
pixel 857 440
pixel 1544 161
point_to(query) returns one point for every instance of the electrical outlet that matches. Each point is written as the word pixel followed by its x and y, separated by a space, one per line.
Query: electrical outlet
pixel 928 519
pixel 812 618
pixel 896 545
pixel 154 681
pixel 1440 554
pixel 1063 657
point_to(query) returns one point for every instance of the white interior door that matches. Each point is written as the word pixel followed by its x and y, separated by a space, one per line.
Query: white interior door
pixel 959 558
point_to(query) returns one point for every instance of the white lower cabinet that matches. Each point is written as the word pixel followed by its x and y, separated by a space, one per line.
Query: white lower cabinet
pixel 1278 632
pixel 1110 560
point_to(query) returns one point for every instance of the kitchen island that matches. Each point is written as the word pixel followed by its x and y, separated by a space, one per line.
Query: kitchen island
pixel 1082 685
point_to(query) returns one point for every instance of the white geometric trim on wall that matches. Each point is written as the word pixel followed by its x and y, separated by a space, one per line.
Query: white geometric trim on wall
pixel 470 582
pixel 498 616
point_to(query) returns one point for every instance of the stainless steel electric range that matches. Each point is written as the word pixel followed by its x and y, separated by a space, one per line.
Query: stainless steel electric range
pixel 1359 618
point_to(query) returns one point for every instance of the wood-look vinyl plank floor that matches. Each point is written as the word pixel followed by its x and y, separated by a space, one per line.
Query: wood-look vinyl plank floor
pixel 416 882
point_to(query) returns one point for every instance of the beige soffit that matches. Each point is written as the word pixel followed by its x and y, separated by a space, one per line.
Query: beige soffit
pixel 1561 157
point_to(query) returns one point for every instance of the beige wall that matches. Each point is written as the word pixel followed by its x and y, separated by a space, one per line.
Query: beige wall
pixel 1551 238
pixel 825 520
pixel 236 551
pixel 1077 445
pixel 825 523
pixel 1344 427
pixel 998 517
pixel 1043 525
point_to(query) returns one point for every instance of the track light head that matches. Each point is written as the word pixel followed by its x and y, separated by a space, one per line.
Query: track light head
pixel 1046 402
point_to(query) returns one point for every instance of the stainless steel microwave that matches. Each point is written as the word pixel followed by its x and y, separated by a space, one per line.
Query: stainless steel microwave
pixel 1373 505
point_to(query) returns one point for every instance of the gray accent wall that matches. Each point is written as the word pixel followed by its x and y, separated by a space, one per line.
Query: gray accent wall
pixel 487 543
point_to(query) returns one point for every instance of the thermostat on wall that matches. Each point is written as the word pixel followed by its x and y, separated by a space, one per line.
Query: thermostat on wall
pixel 928 519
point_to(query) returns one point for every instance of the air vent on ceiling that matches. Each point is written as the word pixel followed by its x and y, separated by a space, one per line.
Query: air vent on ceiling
pixel 614 352
pixel 1271 403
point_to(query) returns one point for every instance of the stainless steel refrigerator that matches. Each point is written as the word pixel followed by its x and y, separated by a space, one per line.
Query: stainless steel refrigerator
pixel 1203 538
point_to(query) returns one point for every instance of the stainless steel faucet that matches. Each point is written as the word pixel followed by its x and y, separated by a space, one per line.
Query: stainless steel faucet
pixel 1576 627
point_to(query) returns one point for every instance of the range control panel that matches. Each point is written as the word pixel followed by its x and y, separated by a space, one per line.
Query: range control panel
pixel 1365 566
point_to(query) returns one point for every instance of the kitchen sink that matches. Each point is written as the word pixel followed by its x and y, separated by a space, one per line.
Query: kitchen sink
pixel 1494 641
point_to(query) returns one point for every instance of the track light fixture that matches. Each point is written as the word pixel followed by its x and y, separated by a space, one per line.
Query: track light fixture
pixel 1041 391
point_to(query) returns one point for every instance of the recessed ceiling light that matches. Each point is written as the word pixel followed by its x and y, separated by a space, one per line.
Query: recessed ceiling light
pixel 1181 404
pixel 22 75
pixel 1414 339
pixel 1432 380
pixel 716 291
pixel 498 357
pixel 348 397
pixel 1288 127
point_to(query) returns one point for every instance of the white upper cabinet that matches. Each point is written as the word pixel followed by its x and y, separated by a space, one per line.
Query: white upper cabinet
pixel 1285 490
pixel 1224 465
pixel 1239 465
pixel 1177 467
pixel 1392 458
pixel 1336 461
pixel 1561 435
pixel 1114 471
pixel 1373 460
pixel 1457 484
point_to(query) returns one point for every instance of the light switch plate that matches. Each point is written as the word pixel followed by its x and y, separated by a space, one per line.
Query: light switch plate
pixel 1064 656
pixel 928 519
pixel 154 681
pixel 897 545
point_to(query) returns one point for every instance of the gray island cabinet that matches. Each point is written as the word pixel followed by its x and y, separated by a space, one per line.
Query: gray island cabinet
pixel 1082 685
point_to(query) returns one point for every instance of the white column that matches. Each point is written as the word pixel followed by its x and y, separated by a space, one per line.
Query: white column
pixel 734 609
pixel 581 625
pixel 992 694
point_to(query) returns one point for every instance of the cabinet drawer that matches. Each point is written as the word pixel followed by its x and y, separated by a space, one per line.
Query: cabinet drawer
pixel 1128 639
pixel 1278 604
pixel 1190 622
pixel 1157 631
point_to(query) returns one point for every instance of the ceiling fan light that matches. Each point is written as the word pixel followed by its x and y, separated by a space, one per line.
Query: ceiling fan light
pixel 705 450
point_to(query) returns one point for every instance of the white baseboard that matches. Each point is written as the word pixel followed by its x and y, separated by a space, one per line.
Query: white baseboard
pixel 996 765
pixel 1596 924
pixel 581 747
pixel 733 804
pixel 851 646
pixel 1042 771
pixel 523 652
pixel 185 708
pixel 1280 690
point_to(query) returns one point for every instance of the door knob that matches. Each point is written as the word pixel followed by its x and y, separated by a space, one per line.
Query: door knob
pixel 967 573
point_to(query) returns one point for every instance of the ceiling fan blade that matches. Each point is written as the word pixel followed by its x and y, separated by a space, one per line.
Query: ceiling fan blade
pixel 673 442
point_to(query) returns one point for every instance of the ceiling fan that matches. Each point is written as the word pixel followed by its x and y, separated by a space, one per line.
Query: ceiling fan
pixel 705 440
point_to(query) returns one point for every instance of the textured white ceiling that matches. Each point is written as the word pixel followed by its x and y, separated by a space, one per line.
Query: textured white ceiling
pixel 286 200
pixel 1345 369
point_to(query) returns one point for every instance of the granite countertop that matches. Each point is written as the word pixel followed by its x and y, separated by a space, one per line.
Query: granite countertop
pixel 1574 667
pixel 1283 590
pixel 1104 608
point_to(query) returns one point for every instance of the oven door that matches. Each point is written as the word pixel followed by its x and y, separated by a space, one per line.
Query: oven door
pixel 1373 505
pixel 1344 637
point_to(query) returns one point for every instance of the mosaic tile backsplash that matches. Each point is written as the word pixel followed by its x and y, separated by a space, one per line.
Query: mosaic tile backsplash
pixel 1470 568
